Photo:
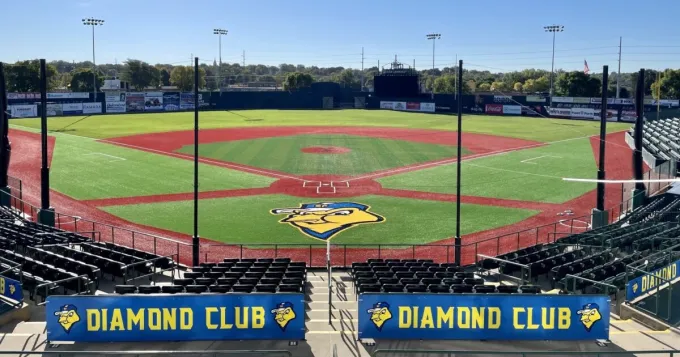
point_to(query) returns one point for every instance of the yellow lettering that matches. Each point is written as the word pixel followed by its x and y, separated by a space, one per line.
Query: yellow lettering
pixel 169 319
pixel 548 318
pixel 135 319
pixel 478 317
pixel 415 316
pixel 444 317
pixel 105 318
pixel 2 285
pixel 530 319
pixel 154 319
pixel 644 283
pixel 463 317
pixel 242 317
pixel 258 317
pixel 208 320
pixel 494 318
pixel 427 321
pixel 405 317
pixel 93 320
pixel 186 316
pixel 515 317
pixel 563 318
pixel 117 321
pixel 223 319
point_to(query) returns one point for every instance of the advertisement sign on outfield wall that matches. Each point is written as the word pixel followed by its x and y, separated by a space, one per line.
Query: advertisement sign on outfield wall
pixel 512 109
pixel 115 107
pixel 69 95
pixel 559 112
pixel 427 107
pixel 114 97
pixel 170 102
pixel 582 113
pixel 54 109
pixel 535 99
pixel 413 106
pixel 399 105
pixel 73 108
pixel 563 100
pixel 92 108
pixel 153 101
pixel 581 100
pixel 494 109
pixel 15 96
pixel 134 102
pixel 23 110
pixel 502 99
pixel 628 116
pixel 386 105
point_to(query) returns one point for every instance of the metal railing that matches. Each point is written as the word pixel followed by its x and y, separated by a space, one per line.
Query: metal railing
pixel 198 353
pixel 609 288
pixel 51 284
pixel 525 270
pixel 16 185
pixel 172 258
pixel 452 353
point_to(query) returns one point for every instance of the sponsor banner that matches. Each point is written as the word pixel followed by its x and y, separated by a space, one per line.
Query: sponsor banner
pixel 531 110
pixel 11 288
pixel 175 317
pixel 559 112
pixel 186 101
pixel 115 107
pixel 483 317
pixel 582 113
pixel 535 99
pixel 399 105
pixel 494 109
pixel 427 107
pixel 54 109
pixel 72 108
pixel 581 100
pixel 386 105
pixel 663 102
pixel 612 114
pixel 476 109
pixel 170 102
pixel 23 110
pixel 153 101
pixel 628 116
pixel 92 108
pixel 512 109
pixel 648 283
pixel 114 97
pixel 12 96
pixel 597 101
pixel 415 106
pixel 69 95
pixel 502 99
pixel 441 108
pixel 563 99
pixel 624 101
pixel 134 102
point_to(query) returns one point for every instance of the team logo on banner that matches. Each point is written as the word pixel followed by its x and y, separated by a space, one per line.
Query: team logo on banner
pixel 67 317
pixel 284 314
pixel 380 313
pixel 590 314
pixel 324 220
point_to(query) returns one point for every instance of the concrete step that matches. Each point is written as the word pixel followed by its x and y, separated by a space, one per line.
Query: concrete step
pixel 341 305
pixel 321 314
pixel 336 325
pixel 26 327
pixel 22 342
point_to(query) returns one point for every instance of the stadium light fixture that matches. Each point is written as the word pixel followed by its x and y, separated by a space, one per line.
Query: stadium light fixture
pixel 93 23
pixel 434 37
pixel 220 33
pixel 554 29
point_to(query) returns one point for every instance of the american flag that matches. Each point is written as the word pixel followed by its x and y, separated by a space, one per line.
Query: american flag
pixel 586 69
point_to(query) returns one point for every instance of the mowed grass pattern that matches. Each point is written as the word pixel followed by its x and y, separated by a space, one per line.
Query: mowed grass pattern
pixel 284 153
pixel 530 175
pixel 246 220
pixel 109 126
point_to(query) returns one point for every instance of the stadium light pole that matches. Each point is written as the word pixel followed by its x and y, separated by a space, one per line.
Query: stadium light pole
pixel 195 239
pixel 554 29
pixel 220 33
pixel 434 37
pixel 459 143
pixel 94 23
pixel 5 148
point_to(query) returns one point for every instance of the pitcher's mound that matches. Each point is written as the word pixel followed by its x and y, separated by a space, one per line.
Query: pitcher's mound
pixel 325 150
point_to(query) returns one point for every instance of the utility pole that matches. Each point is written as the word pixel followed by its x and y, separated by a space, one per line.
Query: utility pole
pixel 220 33
pixel 554 29
pixel 618 74
pixel 244 58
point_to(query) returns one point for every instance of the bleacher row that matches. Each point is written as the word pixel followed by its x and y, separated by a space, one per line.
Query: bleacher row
pixel 421 276
pixel 662 138
pixel 264 275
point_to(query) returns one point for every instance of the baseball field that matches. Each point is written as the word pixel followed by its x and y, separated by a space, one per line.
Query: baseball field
pixel 356 177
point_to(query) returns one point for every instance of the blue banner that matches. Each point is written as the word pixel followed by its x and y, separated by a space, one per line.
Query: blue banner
pixel 133 318
pixel 170 102
pixel 483 317
pixel 646 283
pixel 11 288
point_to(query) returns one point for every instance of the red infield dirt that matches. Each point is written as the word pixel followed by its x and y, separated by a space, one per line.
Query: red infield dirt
pixel 540 228
pixel 325 150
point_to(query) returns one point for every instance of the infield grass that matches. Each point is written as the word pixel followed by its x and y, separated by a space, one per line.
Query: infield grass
pixel 246 220
pixel 109 126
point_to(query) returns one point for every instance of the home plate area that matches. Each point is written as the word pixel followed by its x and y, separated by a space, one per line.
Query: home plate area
pixel 320 185
pixel 326 187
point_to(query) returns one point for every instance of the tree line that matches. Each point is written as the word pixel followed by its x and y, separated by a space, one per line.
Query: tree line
pixel 23 76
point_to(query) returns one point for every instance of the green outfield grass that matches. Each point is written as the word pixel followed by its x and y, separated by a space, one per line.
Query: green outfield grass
pixel 538 178
pixel 108 126
pixel 86 169
pixel 246 220
pixel 284 153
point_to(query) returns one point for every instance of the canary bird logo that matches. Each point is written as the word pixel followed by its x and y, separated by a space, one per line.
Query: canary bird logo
pixel 635 287
pixel 12 289
pixel 283 314
pixel 325 220
pixel 68 316
pixel 590 314
pixel 380 313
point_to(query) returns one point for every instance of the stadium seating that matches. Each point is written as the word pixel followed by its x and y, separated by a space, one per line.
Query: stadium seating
pixel 264 275
pixel 661 138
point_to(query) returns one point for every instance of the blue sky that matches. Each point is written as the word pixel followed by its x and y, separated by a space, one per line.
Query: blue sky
pixel 487 34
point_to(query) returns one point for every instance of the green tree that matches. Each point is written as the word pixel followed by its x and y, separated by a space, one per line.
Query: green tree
pixel 81 81
pixel 346 78
pixel 668 85
pixel 472 86
pixel 297 80
pixel 445 84
pixel 500 86
pixel 165 77
pixel 24 76
pixel 578 84
pixel 484 87
pixel 517 87
pixel 140 74
pixel 183 78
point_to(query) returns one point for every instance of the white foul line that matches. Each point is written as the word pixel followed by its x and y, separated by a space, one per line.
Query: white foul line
pixel 538 157
pixel 115 158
